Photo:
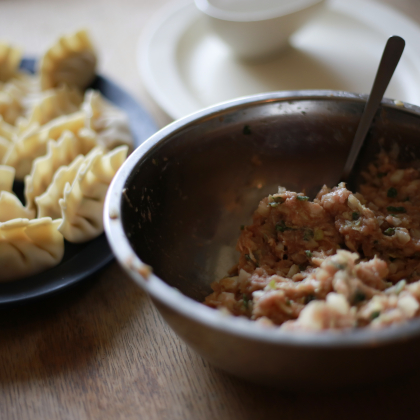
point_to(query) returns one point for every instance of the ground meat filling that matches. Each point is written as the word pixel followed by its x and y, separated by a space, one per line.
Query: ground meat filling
pixel 344 260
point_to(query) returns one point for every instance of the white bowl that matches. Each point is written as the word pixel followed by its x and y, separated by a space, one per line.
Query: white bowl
pixel 256 29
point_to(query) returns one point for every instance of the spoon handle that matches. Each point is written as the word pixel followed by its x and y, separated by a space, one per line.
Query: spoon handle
pixel 390 58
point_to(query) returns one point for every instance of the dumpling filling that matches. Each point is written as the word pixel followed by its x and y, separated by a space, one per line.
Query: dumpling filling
pixel 341 261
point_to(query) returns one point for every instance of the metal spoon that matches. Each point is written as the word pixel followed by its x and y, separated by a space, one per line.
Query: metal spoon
pixel 390 58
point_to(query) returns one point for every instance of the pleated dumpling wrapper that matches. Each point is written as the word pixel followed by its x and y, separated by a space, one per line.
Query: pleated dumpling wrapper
pixel 7 136
pixel 28 247
pixel 10 58
pixel 13 96
pixel 33 144
pixel 7 176
pixel 10 205
pixel 71 61
pixel 59 153
pixel 83 201
pixel 108 121
pixel 12 208
pixel 46 105
pixel 47 204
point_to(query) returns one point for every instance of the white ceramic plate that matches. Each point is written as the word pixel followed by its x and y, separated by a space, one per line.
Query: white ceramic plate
pixel 185 67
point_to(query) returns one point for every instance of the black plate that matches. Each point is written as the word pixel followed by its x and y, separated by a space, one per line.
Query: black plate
pixel 80 260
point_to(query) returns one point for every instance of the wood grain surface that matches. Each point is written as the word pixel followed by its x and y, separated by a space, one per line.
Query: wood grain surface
pixel 101 350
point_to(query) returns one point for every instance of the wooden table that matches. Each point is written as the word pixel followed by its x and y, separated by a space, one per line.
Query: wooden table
pixel 101 350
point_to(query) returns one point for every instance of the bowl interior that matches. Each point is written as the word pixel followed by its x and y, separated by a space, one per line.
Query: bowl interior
pixel 189 194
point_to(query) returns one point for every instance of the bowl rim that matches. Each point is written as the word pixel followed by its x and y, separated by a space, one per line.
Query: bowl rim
pixel 275 12
pixel 167 295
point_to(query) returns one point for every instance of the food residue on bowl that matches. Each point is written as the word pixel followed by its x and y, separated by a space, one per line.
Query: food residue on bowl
pixel 340 261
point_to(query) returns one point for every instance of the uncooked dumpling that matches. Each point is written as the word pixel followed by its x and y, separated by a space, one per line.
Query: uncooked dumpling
pixel 4 147
pixel 10 58
pixel 108 121
pixel 11 103
pixel 47 203
pixel 7 176
pixel 29 246
pixel 7 131
pixel 10 205
pixel 7 134
pixel 12 208
pixel 83 200
pixel 57 138
pixel 34 143
pixel 13 97
pixel 59 153
pixel 53 103
pixel 71 61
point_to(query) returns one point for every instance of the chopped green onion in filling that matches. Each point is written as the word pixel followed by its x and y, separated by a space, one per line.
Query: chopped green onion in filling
pixel 308 234
pixel 275 201
pixel 339 266
pixel 374 315
pixel 392 192
pixel 281 227
pixel 393 209
pixel 359 297
pixel 389 232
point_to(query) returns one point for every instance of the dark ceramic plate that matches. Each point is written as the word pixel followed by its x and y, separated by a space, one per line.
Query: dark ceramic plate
pixel 81 260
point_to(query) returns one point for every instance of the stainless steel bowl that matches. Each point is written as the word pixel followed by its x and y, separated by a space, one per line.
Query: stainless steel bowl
pixel 179 200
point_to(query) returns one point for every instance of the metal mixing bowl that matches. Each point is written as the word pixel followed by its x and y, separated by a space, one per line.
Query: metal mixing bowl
pixel 179 200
